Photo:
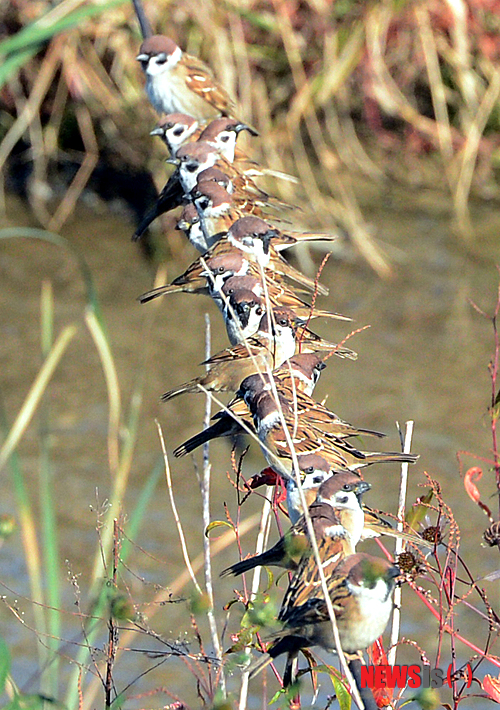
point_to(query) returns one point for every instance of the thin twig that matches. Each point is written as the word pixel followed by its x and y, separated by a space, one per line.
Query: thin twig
pixel 205 498
pixel 400 543
pixel 178 523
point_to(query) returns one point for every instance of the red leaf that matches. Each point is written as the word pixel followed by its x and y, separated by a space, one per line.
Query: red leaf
pixel 267 477
pixel 473 474
pixel 492 687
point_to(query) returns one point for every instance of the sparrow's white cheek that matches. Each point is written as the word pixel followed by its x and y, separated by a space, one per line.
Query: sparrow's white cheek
pixel 269 421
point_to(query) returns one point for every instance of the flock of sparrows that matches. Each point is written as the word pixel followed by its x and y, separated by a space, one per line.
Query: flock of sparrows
pixel 272 365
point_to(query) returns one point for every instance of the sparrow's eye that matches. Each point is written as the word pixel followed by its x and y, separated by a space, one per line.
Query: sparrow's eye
pixel 259 311
pixel 221 270
pixel 309 469
pixel 178 131
pixel 283 321
pixel 347 487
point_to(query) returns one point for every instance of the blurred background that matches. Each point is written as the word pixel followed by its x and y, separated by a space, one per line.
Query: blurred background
pixel 388 115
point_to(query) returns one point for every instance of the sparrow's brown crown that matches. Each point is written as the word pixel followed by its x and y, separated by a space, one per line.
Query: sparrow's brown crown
pixel 157 44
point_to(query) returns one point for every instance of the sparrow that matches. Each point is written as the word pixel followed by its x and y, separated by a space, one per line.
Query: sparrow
pixel 189 223
pixel 305 437
pixel 360 588
pixel 305 369
pixel 242 312
pixel 250 241
pixel 279 294
pixel 206 279
pixel 219 209
pixel 207 276
pixel 222 134
pixel 214 175
pixel 273 344
pixel 176 129
pixel 191 159
pixel 342 494
pixel 178 82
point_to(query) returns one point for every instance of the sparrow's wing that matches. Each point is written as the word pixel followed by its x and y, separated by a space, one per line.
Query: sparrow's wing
pixel 375 526
pixel 322 417
pixel 202 82
pixel 281 265
pixel 306 584
pixel 237 352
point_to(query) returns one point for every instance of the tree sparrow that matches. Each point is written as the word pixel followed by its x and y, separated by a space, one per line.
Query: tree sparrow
pixel 178 82
pixel 305 370
pixel 325 516
pixel 360 589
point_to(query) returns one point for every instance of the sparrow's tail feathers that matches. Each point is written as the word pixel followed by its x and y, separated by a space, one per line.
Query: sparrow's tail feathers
pixel 300 237
pixel 372 432
pixel 241 567
pixel 304 280
pixel 376 457
pixel 160 291
pixel 287 644
pixel 191 386
pixel 212 432
pixel 259 665
pixel 392 532
pixel 328 314
pixel 149 217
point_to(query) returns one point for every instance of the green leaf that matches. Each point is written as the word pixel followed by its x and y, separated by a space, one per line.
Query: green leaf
pixel 43 29
pixel 4 663
pixel 31 702
pixel 217 524
pixel 419 510
pixel 341 692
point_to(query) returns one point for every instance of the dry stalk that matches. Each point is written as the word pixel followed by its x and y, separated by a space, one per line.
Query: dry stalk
pixel 173 505
pixel 204 482
pixel 400 543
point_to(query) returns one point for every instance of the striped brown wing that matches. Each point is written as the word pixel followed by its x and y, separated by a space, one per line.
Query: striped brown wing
pixel 305 586
pixel 202 82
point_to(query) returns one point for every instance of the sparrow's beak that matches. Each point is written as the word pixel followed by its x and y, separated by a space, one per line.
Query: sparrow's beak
pixel 245 127
pixel 321 366
pixel 266 238
pixel 172 161
pixel 182 225
pixel 242 312
pixel 158 131
pixel 142 57
pixel 361 488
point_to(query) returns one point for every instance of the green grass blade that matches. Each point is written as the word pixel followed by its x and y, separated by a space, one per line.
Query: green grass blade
pixel 4 664
pixel 10 65
pixel 42 29
pixel 35 393
pixel 57 240
pixel 137 516
pixel 47 510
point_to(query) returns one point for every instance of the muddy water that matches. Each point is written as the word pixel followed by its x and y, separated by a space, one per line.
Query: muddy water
pixel 424 358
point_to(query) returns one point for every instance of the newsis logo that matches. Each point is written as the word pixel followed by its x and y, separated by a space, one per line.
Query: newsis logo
pixel 414 676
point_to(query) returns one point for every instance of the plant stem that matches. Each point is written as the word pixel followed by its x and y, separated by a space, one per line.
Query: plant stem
pixel 400 544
